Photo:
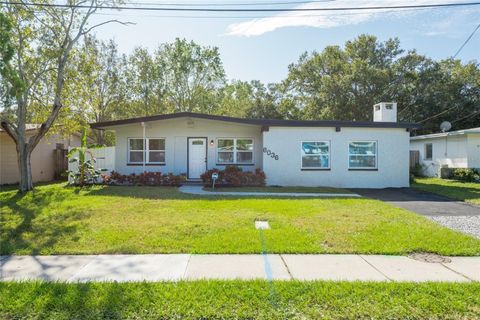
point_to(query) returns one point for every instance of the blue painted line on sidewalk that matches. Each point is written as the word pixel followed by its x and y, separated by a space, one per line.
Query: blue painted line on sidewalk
pixel 266 262
pixel 268 271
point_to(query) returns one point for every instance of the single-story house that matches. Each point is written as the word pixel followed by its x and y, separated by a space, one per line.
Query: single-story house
pixel 290 152
pixel 43 158
pixel 455 149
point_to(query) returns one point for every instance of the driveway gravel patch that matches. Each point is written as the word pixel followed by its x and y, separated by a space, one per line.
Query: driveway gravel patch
pixel 465 224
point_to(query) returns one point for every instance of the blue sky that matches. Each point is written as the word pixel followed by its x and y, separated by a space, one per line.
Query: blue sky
pixel 262 48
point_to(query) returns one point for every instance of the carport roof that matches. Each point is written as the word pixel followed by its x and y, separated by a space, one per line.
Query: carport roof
pixel 259 122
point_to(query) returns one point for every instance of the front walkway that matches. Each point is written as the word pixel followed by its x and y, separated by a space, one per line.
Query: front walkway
pixel 174 267
pixel 198 190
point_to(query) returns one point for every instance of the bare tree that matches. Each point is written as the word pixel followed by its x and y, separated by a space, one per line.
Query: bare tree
pixel 43 36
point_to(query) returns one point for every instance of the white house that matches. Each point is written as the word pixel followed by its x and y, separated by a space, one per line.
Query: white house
pixel 290 152
pixel 455 149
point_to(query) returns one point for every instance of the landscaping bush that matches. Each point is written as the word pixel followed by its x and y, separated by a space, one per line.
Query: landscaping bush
pixel 144 179
pixel 235 177
pixel 464 174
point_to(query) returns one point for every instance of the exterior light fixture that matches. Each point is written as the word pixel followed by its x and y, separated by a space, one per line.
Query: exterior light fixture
pixel 211 143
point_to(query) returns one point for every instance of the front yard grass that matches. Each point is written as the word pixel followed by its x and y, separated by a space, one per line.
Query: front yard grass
pixel 56 219
pixel 239 300
pixel 457 190
pixel 280 189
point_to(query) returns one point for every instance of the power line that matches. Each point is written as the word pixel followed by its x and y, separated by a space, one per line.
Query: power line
pixel 474 114
pixel 438 5
pixel 466 41
pixel 306 15
pixel 226 4
pixel 438 114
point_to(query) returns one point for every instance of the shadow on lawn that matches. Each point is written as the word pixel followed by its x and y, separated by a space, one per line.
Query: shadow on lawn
pixel 452 191
pixel 27 227
pixel 81 300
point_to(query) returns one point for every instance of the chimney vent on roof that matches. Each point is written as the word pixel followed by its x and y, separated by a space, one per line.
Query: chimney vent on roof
pixel 385 112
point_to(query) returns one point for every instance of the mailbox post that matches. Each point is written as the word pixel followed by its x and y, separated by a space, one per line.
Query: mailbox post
pixel 214 179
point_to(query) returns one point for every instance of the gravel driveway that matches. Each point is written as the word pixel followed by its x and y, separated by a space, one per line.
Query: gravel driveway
pixel 456 215
pixel 466 224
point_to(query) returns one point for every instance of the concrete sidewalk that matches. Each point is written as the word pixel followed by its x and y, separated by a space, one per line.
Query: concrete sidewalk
pixel 174 267
pixel 198 190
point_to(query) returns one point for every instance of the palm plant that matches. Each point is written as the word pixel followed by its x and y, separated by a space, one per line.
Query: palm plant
pixel 86 172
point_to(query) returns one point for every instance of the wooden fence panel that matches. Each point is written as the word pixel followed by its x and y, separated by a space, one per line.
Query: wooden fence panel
pixel 61 163
pixel 414 158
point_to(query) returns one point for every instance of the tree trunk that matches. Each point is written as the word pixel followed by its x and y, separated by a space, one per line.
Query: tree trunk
pixel 100 137
pixel 24 166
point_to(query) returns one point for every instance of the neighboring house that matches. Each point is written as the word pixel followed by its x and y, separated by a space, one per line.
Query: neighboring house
pixel 42 159
pixel 455 149
pixel 290 152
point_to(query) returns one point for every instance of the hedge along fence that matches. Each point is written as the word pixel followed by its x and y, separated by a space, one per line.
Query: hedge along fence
pixel 144 179
pixel 235 177
pixel 461 174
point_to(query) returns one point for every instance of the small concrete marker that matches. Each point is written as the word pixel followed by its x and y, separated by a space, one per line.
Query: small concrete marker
pixel 234 266
pixel 400 268
pixel 331 267
pixel 467 266
pixel 261 225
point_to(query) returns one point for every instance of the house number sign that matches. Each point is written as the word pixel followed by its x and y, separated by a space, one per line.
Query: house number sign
pixel 273 155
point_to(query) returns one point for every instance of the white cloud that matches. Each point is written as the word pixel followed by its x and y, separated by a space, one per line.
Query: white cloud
pixel 325 19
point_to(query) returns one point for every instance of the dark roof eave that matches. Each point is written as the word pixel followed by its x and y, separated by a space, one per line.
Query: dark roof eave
pixel 259 122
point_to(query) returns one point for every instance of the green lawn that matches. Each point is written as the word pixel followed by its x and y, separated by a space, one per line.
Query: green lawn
pixel 463 191
pixel 56 219
pixel 280 189
pixel 239 300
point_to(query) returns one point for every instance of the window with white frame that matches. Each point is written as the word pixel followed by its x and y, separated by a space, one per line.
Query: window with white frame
pixel 235 151
pixel 428 151
pixel 315 155
pixel 154 150
pixel 362 155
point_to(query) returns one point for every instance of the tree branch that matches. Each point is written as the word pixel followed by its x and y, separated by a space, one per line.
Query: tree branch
pixel 10 129
pixel 106 22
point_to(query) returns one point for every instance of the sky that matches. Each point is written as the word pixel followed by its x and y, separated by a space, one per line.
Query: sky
pixel 260 46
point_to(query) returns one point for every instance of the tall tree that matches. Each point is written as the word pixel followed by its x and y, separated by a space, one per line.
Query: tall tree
pixel 344 83
pixel 98 89
pixel 193 74
pixel 251 100
pixel 146 84
pixel 43 38
pixel 9 81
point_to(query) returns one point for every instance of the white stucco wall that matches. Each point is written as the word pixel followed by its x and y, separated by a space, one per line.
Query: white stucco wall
pixel 176 132
pixel 42 159
pixel 392 157
pixel 449 151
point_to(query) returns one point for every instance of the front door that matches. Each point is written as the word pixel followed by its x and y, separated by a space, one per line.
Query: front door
pixel 197 157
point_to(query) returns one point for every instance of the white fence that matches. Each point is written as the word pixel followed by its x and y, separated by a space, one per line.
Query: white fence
pixel 105 159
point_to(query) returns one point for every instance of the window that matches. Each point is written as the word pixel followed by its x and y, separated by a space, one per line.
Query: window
pixel 428 151
pixel 154 151
pixel 235 151
pixel 316 155
pixel 362 155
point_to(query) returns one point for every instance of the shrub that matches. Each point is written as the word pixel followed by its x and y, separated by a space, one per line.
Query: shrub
pixel 464 174
pixel 144 179
pixel 235 177
pixel 417 170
